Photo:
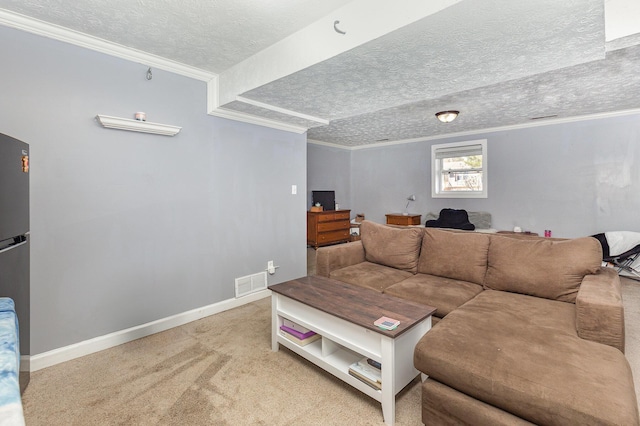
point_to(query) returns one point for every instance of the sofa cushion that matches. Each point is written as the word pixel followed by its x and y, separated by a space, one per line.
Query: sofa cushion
pixel 541 267
pixel 445 294
pixel 522 354
pixel 395 247
pixel 370 275
pixel 457 255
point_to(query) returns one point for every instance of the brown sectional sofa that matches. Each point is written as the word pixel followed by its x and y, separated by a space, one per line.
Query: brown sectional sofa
pixel 527 330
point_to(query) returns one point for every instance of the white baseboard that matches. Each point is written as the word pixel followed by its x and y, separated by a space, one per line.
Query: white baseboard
pixel 76 350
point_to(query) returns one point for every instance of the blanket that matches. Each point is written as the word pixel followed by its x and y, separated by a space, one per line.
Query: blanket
pixel 11 412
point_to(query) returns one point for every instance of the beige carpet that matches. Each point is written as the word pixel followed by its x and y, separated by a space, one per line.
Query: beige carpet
pixel 221 371
pixel 216 371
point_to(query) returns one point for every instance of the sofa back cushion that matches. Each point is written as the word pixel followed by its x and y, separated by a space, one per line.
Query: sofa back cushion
pixel 395 247
pixel 457 255
pixel 542 267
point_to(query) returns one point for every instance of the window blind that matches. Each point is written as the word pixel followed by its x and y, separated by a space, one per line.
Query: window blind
pixel 459 151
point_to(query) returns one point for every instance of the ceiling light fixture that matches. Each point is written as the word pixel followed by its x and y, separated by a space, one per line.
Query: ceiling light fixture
pixel 447 116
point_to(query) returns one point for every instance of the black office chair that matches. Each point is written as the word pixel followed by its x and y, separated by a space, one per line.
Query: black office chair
pixel 623 261
pixel 453 219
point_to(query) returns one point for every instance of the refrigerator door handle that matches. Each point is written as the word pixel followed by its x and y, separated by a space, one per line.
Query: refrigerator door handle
pixel 12 247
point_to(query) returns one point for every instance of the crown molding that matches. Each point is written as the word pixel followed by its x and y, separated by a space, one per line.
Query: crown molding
pixel 260 121
pixel 281 110
pixel 329 144
pixel 56 32
pixel 540 123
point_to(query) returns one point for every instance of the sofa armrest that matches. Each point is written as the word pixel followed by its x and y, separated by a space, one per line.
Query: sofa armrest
pixel 331 258
pixel 599 309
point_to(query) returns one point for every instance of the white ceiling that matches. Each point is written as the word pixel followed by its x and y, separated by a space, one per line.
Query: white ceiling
pixel 500 62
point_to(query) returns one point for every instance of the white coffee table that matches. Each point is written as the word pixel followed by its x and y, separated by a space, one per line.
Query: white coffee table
pixel 344 314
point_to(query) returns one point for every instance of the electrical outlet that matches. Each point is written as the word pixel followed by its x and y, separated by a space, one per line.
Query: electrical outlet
pixel 270 264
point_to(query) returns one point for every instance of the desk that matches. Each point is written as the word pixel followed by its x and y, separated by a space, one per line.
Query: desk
pixel 403 219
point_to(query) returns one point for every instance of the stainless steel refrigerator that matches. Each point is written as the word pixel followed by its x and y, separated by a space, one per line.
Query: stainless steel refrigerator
pixel 14 233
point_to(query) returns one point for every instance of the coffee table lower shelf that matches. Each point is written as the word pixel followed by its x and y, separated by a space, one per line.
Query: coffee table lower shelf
pixel 344 343
pixel 336 363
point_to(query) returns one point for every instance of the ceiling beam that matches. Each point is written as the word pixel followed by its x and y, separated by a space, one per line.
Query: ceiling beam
pixel 360 20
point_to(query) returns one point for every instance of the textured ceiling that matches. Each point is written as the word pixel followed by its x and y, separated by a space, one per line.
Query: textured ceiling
pixel 472 44
pixel 600 86
pixel 499 62
pixel 209 34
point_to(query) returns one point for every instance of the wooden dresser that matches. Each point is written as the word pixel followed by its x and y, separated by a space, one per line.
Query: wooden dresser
pixel 330 227
pixel 403 219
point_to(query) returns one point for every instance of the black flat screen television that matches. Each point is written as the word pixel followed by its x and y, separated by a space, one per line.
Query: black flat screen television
pixel 327 199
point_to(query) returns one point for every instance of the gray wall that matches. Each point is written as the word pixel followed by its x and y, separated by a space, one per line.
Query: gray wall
pixel 331 171
pixel 576 178
pixel 128 227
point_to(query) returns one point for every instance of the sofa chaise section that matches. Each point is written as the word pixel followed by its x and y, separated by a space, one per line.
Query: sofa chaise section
pixel 522 355
pixel 533 344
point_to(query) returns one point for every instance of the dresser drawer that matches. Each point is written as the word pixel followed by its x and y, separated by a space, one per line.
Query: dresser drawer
pixel 343 215
pixel 333 226
pixel 331 216
pixel 332 236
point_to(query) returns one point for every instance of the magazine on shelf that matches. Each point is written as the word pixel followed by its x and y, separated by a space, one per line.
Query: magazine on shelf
pixel 367 373
pixel 300 342
pixel 294 326
pixel 370 371
pixel 364 379
pixel 296 333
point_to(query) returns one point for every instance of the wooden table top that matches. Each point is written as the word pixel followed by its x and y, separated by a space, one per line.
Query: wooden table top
pixel 355 304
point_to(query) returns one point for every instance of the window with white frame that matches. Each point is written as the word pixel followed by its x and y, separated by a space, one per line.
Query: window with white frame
pixel 459 170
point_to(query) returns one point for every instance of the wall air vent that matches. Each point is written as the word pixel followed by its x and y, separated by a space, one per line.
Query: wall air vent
pixel 251 284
